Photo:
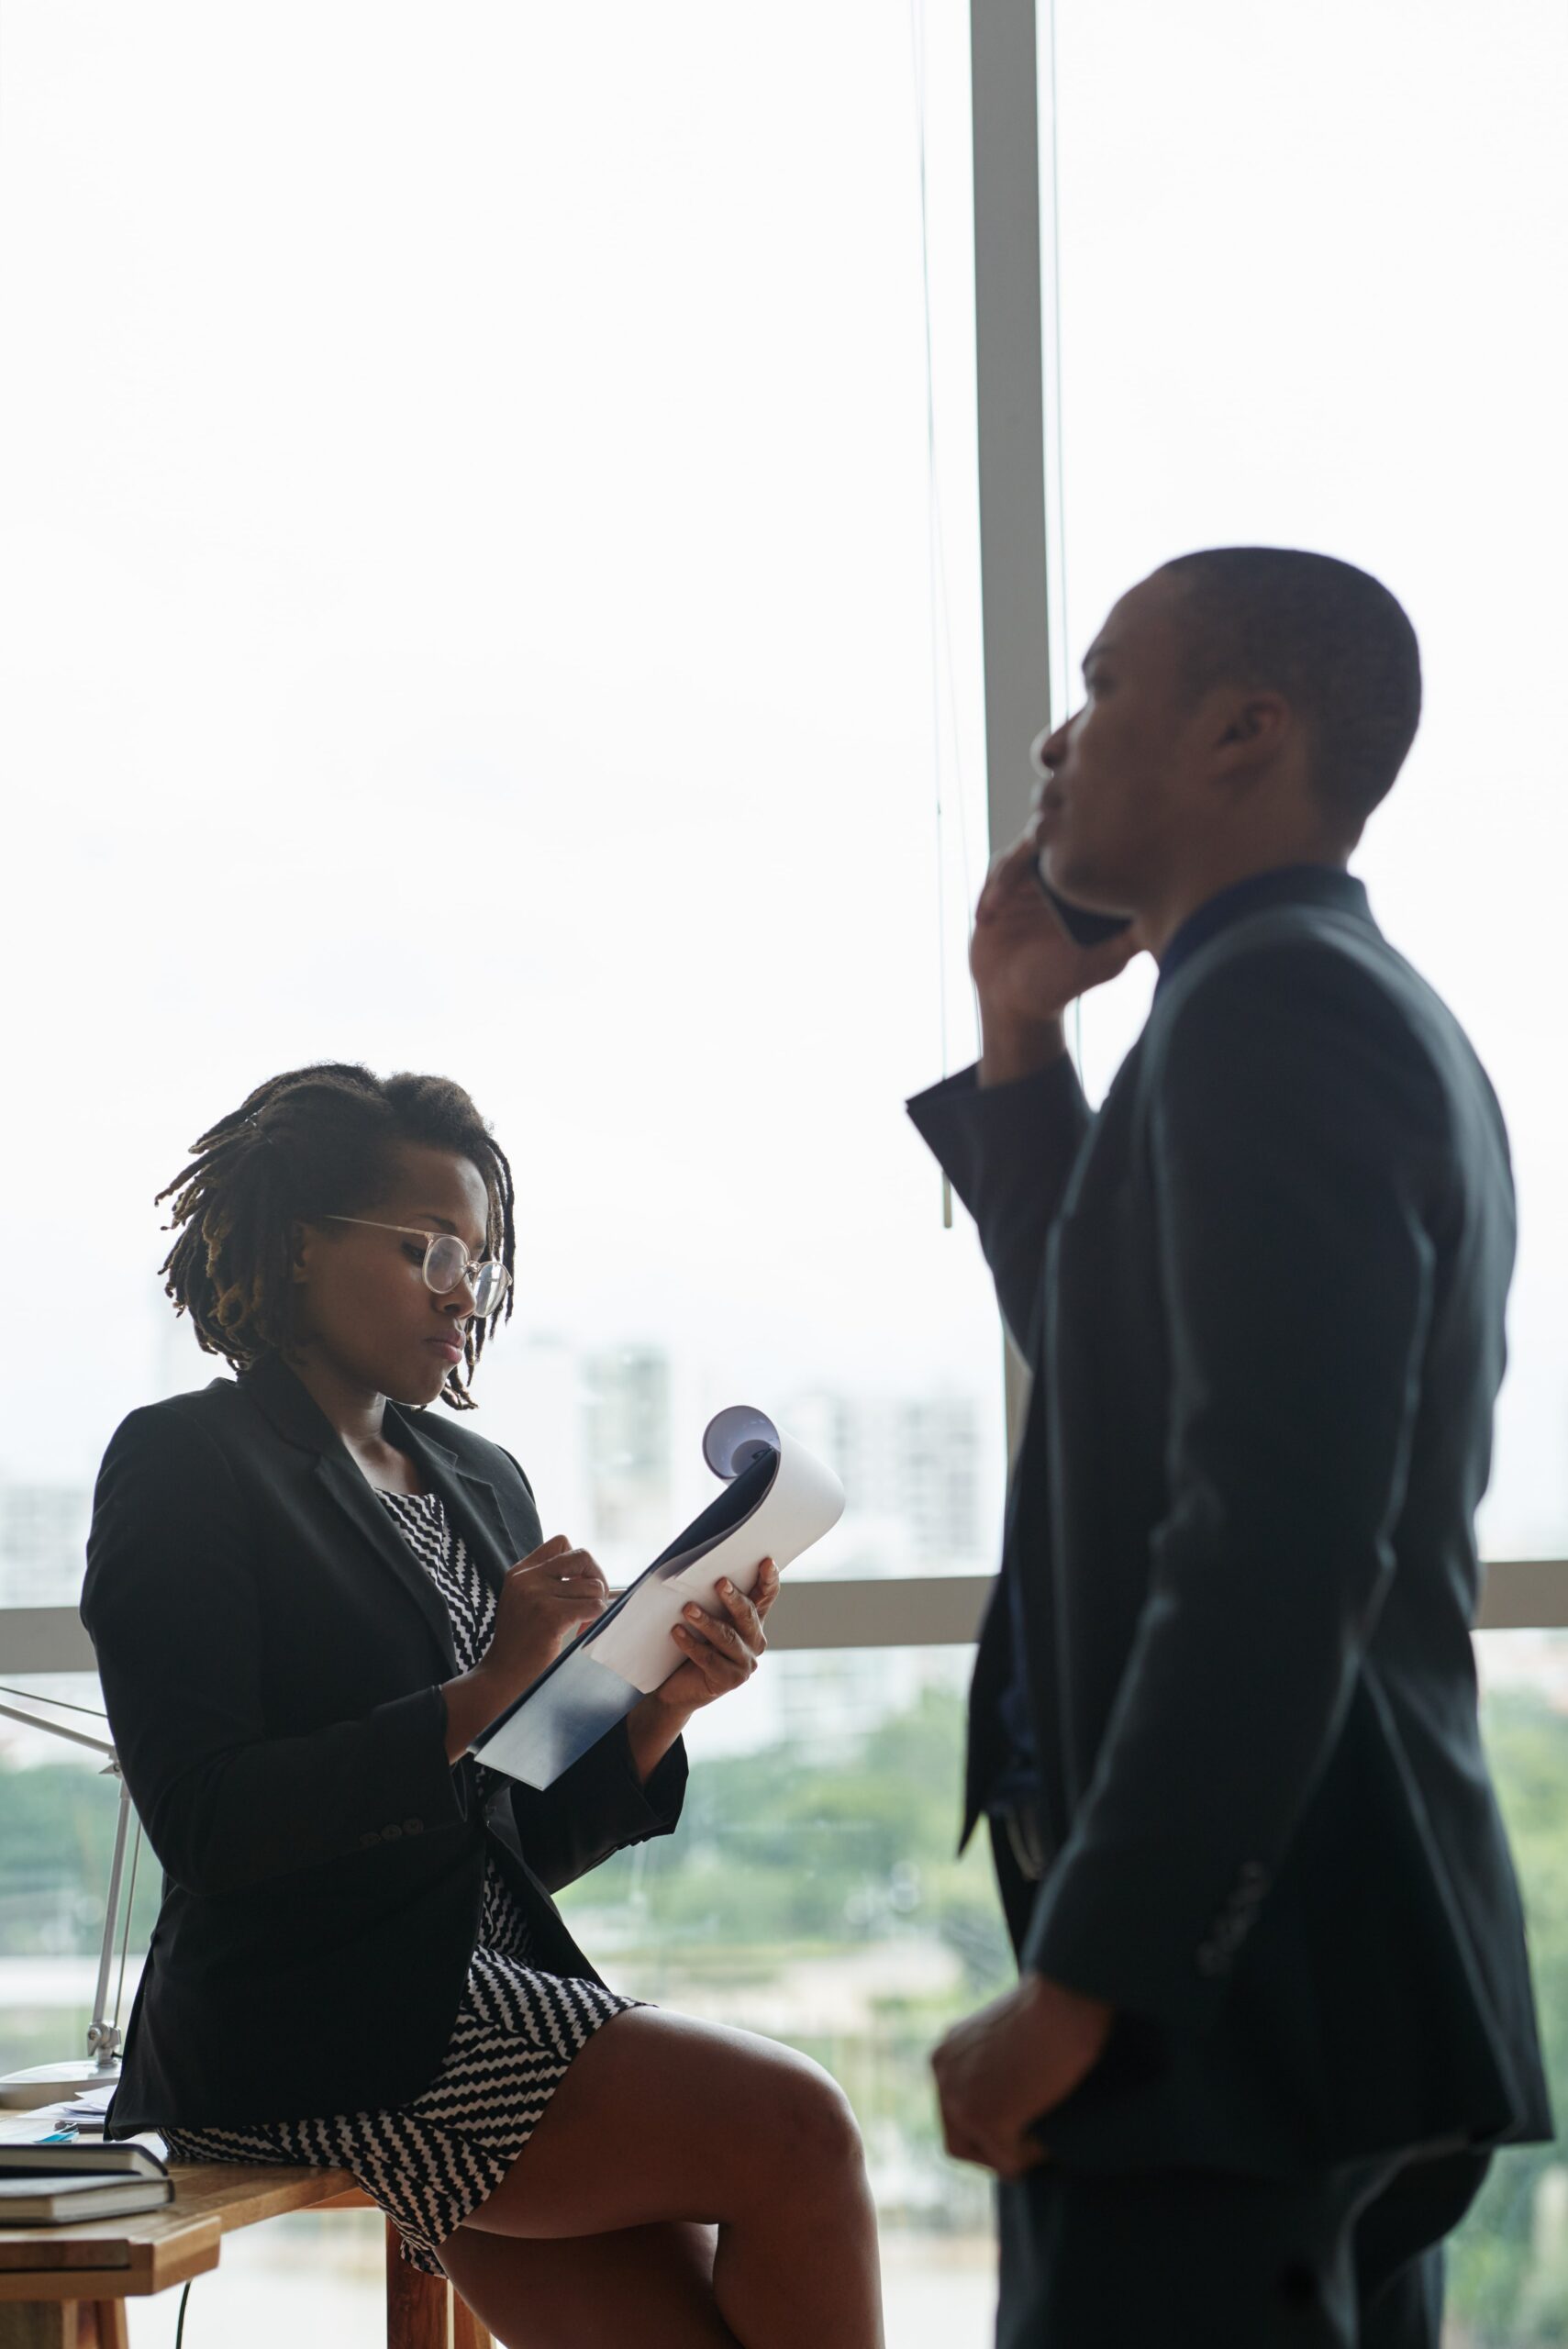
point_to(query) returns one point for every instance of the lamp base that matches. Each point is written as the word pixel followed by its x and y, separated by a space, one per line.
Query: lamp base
pixel 53 2083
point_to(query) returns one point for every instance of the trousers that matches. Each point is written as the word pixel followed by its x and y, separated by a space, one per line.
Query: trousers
pixel 1190 2260
pixel 1350 2258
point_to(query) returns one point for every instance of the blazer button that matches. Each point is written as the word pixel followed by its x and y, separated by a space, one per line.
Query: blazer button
pixel 373 1835
pixel 412 1827
pixel 391 1834
pixel 1212 1958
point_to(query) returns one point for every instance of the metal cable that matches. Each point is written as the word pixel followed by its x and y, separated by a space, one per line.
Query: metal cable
pixel 59 1703
pixel 942 665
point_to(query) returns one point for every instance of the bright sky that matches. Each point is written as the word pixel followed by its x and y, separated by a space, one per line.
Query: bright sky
pixel 1311 263
pixel 464 603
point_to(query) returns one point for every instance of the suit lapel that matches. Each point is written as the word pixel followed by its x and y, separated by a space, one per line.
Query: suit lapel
pixel 274 1390
pixel 469 1500
pixel 339 1476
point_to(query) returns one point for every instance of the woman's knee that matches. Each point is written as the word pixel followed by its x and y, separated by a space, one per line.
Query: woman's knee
pixel 662 2117
pixel 814 2133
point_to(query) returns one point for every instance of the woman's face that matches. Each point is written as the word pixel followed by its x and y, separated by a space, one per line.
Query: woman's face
pixel 360 1302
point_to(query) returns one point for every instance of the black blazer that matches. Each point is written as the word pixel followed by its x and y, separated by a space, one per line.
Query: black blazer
pixel 1261 1296
pixel 270 1653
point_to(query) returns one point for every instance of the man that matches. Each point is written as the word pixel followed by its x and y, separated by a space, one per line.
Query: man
pixel 1274 2003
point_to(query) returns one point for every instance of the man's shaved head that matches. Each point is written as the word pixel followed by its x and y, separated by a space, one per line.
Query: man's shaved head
pixel 1244 710
pixel 1328 637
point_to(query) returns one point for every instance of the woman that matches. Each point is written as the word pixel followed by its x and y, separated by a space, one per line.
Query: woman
pixel 303 1592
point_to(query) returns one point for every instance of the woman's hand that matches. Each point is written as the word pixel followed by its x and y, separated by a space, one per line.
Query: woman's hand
pixel 545 1599
pixel 720 1655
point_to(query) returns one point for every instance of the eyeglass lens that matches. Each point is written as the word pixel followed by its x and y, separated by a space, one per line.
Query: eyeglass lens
pixel 446 1262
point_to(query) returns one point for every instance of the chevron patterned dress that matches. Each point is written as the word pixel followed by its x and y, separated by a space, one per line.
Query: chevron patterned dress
pixel 430 2164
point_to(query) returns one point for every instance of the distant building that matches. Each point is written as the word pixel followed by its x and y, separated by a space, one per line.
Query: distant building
pixel 912 1463
pixel 530 1394
pixel 626 1400
pixel 937 1441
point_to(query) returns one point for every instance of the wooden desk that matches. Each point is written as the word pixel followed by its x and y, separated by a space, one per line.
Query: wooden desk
pixel 65 2287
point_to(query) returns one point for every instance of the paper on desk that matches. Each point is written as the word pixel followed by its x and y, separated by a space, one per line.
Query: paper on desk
pixel 84 2109
pixel 34 2129
pixel 778 1499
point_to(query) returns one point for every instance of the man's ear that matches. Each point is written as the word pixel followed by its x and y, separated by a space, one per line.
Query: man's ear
pixel 1252 729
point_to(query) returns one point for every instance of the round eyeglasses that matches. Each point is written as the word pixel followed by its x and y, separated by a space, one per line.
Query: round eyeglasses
pixel 447 1261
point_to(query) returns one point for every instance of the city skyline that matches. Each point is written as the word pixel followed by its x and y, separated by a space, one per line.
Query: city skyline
pixel 610 1438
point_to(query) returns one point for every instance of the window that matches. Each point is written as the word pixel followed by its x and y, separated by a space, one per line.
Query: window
pixel 465 558
pixel 464 604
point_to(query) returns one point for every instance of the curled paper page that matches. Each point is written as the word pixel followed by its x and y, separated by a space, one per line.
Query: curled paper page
pixel 778 1499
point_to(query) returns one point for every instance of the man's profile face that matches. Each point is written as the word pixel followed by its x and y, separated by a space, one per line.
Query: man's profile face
pixel 1120 776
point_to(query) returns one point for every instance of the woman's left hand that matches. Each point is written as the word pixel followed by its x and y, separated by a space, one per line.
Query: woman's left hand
pixel 721 1651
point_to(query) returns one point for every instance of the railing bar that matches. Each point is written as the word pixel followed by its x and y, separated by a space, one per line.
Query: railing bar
pixel 900 1611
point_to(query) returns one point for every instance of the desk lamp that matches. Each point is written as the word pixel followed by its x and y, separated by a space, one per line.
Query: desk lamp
pixel 100 2069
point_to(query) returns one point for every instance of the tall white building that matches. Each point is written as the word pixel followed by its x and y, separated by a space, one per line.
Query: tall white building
pixel 626 1393
pixel 911 1467
pixel 532 1401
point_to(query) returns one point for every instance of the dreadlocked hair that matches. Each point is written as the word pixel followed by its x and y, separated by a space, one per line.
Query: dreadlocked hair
pixel 311 1143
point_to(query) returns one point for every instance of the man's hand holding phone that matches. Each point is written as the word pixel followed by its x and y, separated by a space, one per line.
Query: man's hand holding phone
pixel 1027 970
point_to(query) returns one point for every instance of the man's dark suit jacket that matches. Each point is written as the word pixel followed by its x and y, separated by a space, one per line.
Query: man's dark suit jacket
pixel 271 1653
pixel 1261 1296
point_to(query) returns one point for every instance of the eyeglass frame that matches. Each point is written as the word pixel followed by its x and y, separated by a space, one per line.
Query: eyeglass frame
pixel 474 1264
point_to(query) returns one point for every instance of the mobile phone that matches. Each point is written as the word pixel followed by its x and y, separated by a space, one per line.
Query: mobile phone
pixel 1084 929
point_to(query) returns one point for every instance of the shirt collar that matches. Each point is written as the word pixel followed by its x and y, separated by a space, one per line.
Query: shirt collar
pixel 1289 885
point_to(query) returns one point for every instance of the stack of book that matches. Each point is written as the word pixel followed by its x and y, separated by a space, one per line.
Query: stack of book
pixel 53 2184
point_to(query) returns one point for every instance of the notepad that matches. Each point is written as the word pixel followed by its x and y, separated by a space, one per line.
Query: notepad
pixel 778 1499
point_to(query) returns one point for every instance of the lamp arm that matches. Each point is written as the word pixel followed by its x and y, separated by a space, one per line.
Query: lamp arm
pixel 103 2036
pixel 58 1728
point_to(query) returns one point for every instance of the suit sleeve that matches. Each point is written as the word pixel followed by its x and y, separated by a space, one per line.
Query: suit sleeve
pixel 1298 1139
pixel 596 1809
pixel 170 1602
pixel 1008 1152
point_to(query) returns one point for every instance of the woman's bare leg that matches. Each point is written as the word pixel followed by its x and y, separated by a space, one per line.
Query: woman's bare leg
pixel 662 2119
pixel 651 2285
